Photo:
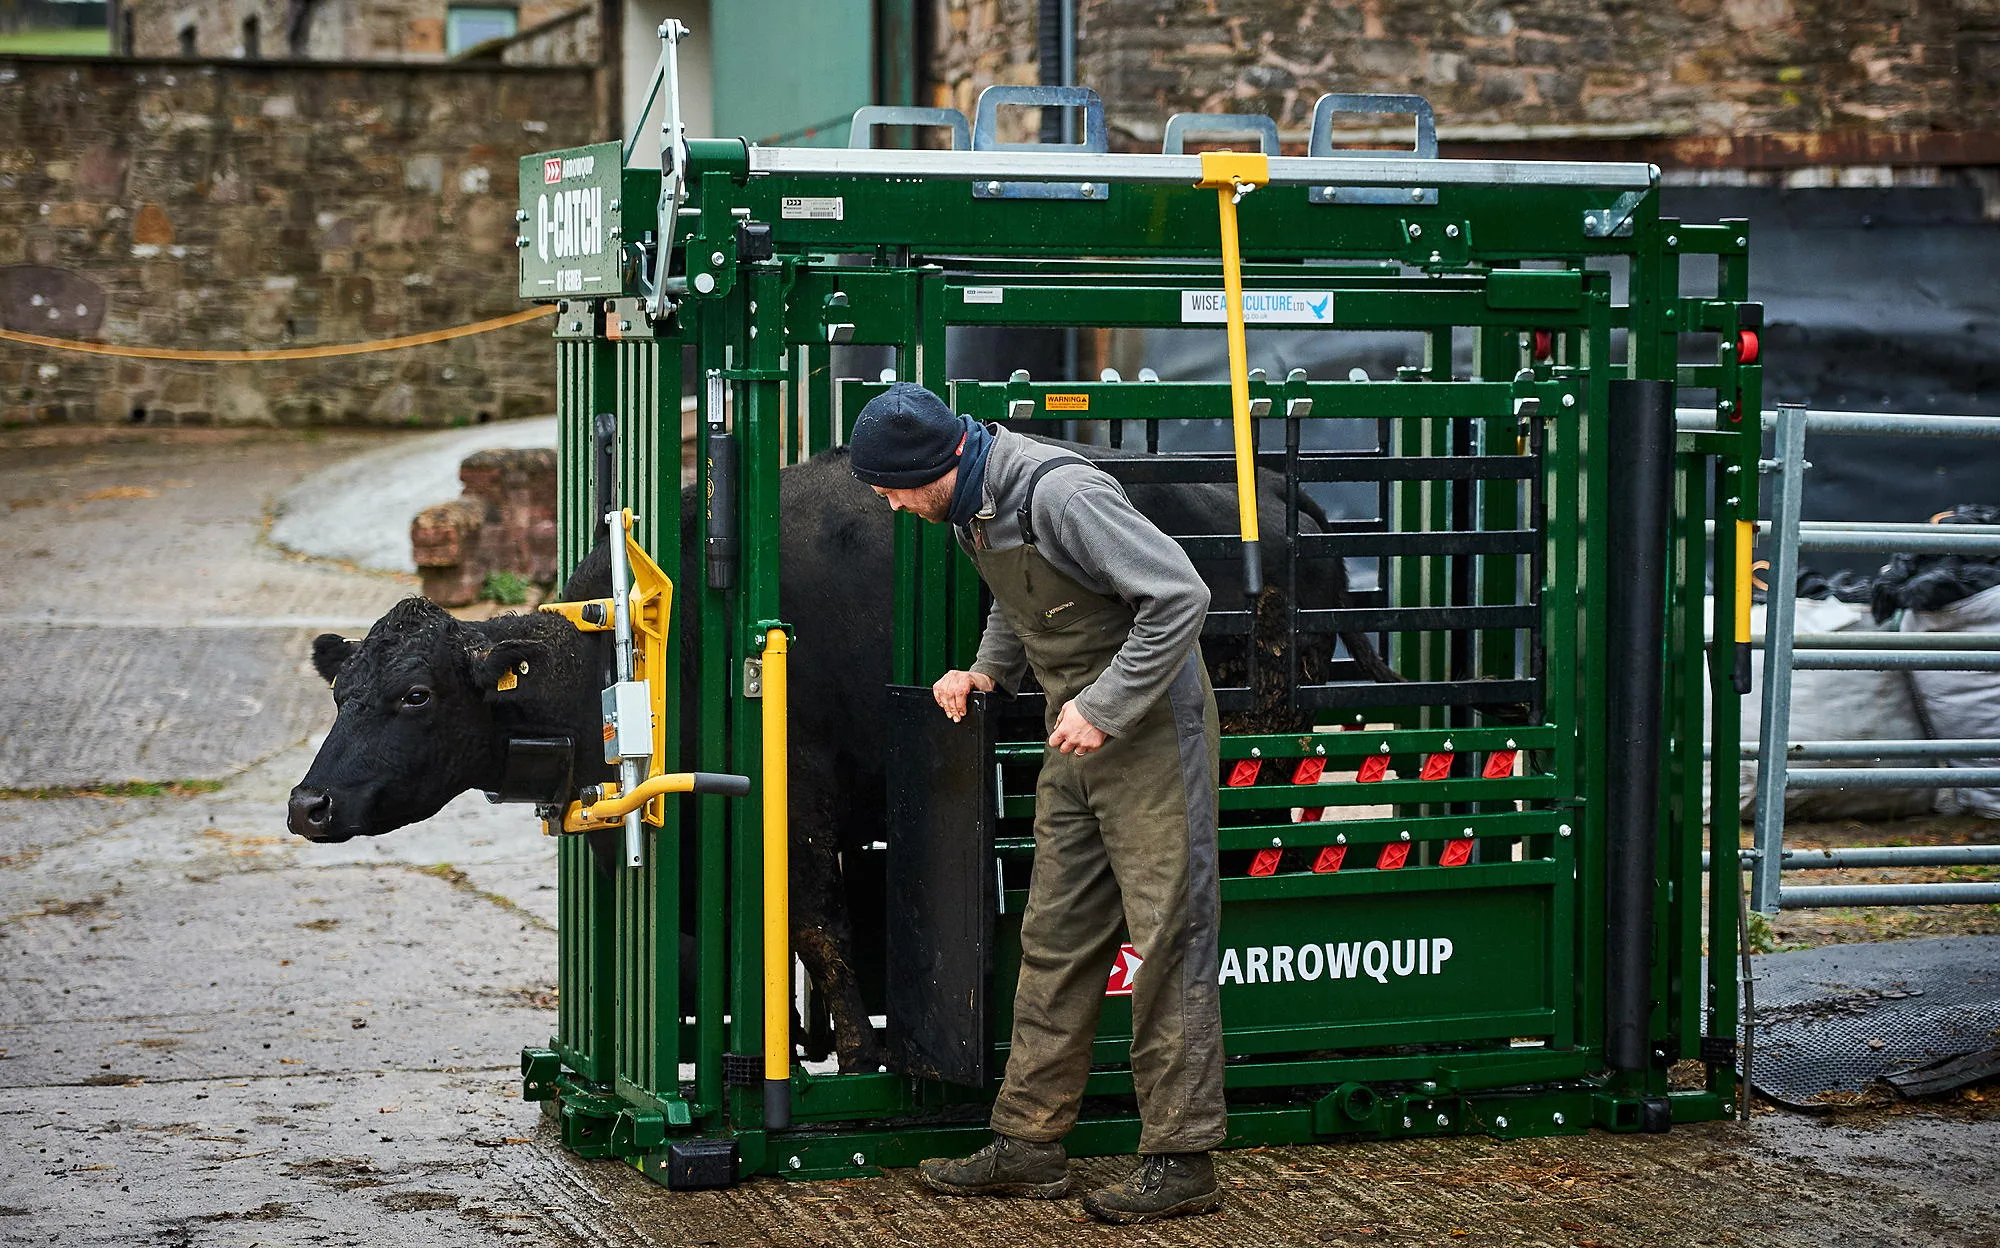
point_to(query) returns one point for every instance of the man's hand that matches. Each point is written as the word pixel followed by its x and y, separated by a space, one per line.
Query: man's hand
pixel 1074 734
pixel 952 687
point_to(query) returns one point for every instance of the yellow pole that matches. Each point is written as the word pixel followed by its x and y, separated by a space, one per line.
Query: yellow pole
pixel 1233 175
pixel 1746 536
pixel 777 888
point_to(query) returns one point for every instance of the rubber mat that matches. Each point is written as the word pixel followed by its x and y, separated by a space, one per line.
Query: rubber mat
pixel 1834 1020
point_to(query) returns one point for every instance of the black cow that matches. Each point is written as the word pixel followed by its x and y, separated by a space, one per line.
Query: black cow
pixel 420 718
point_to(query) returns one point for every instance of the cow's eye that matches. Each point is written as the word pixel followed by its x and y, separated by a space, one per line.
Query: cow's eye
pixel 419 696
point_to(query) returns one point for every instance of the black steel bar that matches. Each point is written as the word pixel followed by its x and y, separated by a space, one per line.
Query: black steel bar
pixel 1418 619
pixel 1478 542
pixel 1294 669
pixel 1641 430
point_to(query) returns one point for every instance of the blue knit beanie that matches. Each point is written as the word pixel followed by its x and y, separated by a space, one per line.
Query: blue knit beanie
pixel 905 437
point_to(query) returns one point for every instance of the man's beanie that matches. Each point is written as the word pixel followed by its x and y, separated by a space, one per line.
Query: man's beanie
pixel 905 437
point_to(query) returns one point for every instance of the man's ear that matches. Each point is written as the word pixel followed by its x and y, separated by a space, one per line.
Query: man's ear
pixel 331 652
pixel 499 666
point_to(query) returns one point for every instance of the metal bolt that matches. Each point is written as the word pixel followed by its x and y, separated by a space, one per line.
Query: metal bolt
pixel 1451 231
pixel 1089 189
pixel 1326 190
pixel 794 1163
pixel 1384 749
pixel 992 188
pixel 1510 743
pixel 1569 400
pixel 1443 1121
pixel 1416 196
pixel 753 331
pixel 1340 838
pixel 520 214
pixel 1406 1124
pixel 1501 1122
pixel 1319 751
pixel 1557 1119
pixel 1404 835
pixel 1673 240
pixel 1416 231
pixel 1447 745
pixel 1742 242
pixel 1277 842
pixel 704 282
pixel 716 257
pixel 1468 831
pixel 1725 345
pixel 624 326
pixel 521 242
pixel 1732 501
pixel 859 1160
pixel 1733 470
pixel 1256 752
pixel 614 205
pixel 1589 220
pixel 1563 830
pixel 753 305
pixel 576 327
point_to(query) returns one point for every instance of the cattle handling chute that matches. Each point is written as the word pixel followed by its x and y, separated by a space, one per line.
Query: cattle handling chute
pixel 1467 899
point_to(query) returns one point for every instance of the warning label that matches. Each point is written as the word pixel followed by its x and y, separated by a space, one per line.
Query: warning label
pixel 1066 402
pixel 1260 307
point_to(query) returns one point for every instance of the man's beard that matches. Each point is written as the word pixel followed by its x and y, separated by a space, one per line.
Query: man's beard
pixel 934 503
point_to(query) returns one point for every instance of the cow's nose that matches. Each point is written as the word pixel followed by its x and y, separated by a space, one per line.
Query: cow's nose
pixel 309 812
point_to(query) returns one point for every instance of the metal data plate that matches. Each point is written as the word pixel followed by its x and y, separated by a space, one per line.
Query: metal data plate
pixel 570 222
pixel 941 889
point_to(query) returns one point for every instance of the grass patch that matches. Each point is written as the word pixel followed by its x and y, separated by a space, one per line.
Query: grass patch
pixel 82 42
pixel 131 788
pixel 509 589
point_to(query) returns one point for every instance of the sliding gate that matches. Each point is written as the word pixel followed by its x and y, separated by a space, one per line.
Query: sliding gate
pixel 1462 845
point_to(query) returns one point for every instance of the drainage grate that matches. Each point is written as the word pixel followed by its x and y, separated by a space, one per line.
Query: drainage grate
pixel 1832 1021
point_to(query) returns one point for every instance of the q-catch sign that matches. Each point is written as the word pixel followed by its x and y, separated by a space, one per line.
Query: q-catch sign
pixel 570 222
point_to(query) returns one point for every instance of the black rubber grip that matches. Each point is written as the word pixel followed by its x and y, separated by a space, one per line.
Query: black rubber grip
pixel 1253 571
pixel 722 782
pixel 1740 675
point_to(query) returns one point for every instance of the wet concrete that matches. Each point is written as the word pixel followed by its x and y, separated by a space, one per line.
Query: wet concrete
pixel 212 1033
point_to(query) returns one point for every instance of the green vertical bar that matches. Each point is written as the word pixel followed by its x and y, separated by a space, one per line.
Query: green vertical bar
pixel 939 551
pixel 717 676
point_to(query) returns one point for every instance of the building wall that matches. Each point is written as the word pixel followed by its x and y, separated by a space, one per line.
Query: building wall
pixel 1708 67
pixel 333 30
pixel 234 206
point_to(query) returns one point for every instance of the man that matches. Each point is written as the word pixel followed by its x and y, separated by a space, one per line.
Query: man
pixel 1106 611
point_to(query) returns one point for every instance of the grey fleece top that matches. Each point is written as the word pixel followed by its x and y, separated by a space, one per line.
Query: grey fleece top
pixel 1090 532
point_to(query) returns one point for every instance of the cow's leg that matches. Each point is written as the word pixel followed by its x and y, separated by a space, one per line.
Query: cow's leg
pixel 823 937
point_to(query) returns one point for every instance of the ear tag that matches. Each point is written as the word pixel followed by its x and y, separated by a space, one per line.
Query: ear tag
pixel 508 680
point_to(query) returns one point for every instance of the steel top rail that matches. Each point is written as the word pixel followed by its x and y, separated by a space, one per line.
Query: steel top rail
pixel 1116 167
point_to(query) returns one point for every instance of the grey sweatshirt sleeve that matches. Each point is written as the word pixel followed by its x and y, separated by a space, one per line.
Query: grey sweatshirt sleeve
pixel 1001 655
pixel 1111 542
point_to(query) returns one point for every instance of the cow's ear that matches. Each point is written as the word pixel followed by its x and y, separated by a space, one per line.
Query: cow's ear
pixel 498 666
pixel 331 652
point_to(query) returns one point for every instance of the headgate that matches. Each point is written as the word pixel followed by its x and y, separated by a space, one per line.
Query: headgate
pixel 1467 900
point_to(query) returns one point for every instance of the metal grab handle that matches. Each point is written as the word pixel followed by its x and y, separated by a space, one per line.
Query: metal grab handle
pixel 985 138
pixel 1180 125
pixel 872 115
pixel 1321 144
pixel 608 811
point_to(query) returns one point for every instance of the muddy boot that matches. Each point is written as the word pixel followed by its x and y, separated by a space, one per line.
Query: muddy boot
pixel 1166 1185
pixel 1006 1167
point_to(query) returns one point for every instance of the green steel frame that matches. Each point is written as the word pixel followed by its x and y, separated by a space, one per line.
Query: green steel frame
pixel 1510 1041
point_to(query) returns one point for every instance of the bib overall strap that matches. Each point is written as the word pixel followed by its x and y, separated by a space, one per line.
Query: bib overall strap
pixel 1028 504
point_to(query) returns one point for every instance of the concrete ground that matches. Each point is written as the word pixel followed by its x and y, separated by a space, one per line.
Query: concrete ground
pixel 212 1033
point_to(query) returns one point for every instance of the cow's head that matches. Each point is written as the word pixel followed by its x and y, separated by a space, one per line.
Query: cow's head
pixel 420 709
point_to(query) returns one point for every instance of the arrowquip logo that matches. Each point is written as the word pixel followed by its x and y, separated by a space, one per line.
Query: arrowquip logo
pixel 1260 307
pixel 1352 959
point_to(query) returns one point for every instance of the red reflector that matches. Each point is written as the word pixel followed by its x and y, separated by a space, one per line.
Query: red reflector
pixel 1373 768
pixel 1456 853
pixel 1244 772
pixel 1436 766
pixel 1311 814
pixel 1309 771
pixel 1746 350
pixel 1329 859
pixel 1499 765
pixel 1393 856
pixel 1266 862
pixel 1545 343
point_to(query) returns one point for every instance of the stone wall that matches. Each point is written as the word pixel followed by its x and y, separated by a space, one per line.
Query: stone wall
pixel 238 206
pixel 328 30
pixel 1605 67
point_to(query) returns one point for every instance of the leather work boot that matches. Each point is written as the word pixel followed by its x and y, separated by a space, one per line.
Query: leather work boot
pixel 1006 1167
pixel 1166 1185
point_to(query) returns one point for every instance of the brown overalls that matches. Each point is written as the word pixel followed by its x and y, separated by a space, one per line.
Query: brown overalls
pixel 1125 837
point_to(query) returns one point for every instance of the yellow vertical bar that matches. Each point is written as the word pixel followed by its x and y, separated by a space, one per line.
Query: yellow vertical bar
pixel 1746 532
pixel 1239 365
pixel 777 892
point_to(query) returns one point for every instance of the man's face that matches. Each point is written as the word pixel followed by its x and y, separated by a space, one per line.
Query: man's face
pixel 929 502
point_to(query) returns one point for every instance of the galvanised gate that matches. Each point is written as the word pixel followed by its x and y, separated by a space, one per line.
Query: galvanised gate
pixel 1496 926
